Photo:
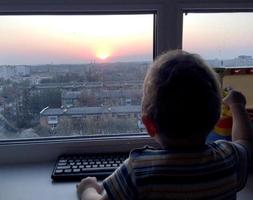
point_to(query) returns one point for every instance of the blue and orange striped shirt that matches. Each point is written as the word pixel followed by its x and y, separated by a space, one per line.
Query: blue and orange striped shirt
pixel 217 172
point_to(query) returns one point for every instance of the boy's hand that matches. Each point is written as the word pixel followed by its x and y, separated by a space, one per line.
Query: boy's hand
pixel 89 183
pixel 242 129
pixel 234 98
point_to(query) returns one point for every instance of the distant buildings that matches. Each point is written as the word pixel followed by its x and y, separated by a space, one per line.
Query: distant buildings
pixel 244 60
pixel 51 117
pixel 23 70
pixel 240 61
pixel 98 93
pixel 70 98
pixel 9 72
pixel 245 57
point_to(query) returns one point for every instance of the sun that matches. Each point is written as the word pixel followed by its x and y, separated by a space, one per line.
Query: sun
pixel 103 53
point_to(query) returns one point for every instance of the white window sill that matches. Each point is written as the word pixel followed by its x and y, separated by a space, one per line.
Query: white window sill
pixel 42 150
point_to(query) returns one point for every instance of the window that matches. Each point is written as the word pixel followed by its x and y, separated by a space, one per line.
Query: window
pixel 167 24
pixel 224 40
pixel 52 120
pixel 54 67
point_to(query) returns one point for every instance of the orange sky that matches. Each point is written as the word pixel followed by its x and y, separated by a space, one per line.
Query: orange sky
pixel 83 39
pixel 75 39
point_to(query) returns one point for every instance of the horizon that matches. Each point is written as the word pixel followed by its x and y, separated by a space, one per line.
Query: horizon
pixel 88 63
pixel 84 39
pixel 114 62
pixel 75 38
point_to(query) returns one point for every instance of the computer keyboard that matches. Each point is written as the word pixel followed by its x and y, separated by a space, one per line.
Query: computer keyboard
pixel 76 167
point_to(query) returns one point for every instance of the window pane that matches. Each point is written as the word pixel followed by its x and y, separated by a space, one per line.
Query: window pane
pixel 73 75
pixel 224 40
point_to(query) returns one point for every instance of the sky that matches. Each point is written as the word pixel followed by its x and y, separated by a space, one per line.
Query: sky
pixel 75 39
pixel 59 39
pixel 218 35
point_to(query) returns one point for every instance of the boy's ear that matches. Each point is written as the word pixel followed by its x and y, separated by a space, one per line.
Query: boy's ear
pixel 150 125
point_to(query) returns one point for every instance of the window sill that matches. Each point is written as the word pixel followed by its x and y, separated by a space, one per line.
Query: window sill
pixel 43 150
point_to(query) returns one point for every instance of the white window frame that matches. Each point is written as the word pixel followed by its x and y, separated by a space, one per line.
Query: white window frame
pixel 169 23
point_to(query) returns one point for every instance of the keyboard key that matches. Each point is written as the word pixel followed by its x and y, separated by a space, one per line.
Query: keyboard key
pixel 58 171
pixel 76 170
pixel 62 163
pixel 63 167
pixel 68 170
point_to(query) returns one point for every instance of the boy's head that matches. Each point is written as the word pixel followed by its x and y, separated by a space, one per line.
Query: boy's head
pixel 181 96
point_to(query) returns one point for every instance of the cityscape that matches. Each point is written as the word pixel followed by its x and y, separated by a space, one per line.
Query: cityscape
pixel 77 100
pixel 65 100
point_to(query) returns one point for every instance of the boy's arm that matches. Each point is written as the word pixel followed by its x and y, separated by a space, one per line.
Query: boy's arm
pixel 242 129
pixel 89 189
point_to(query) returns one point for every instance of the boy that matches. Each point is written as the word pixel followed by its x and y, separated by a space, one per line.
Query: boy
pixel 180 106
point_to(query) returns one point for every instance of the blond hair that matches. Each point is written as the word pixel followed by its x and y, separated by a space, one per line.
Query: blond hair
pixel 181 95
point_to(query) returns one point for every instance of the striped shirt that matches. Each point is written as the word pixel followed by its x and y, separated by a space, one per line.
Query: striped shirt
pixel 217 172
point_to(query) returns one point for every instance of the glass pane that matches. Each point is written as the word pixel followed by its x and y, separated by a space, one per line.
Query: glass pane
pixel 73 75
pixel 224 40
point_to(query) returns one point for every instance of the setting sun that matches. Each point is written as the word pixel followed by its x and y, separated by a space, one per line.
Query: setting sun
pixel 60 39
pixel 103 53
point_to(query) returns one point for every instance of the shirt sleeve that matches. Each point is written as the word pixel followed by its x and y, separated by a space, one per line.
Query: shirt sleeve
pixel 120 185
pixel 241 159
pixel 242 165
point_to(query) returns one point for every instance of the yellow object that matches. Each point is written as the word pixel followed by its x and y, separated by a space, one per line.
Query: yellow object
pixel 224 125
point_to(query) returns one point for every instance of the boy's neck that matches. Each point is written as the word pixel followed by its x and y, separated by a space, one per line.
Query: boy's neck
pixel 183 144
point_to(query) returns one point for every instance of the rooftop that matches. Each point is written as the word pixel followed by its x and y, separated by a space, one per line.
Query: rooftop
pixel 91 110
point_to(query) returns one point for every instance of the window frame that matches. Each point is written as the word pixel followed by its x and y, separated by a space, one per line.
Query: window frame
pixel 168 35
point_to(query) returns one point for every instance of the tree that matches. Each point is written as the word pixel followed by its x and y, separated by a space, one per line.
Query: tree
pixel 49 97
pixel 87 99
pixel 67 78
pixel 64 127
pixel 110 125
pixel 23 109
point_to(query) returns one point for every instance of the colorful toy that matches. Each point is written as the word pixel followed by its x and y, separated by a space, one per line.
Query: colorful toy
pixel 223 128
